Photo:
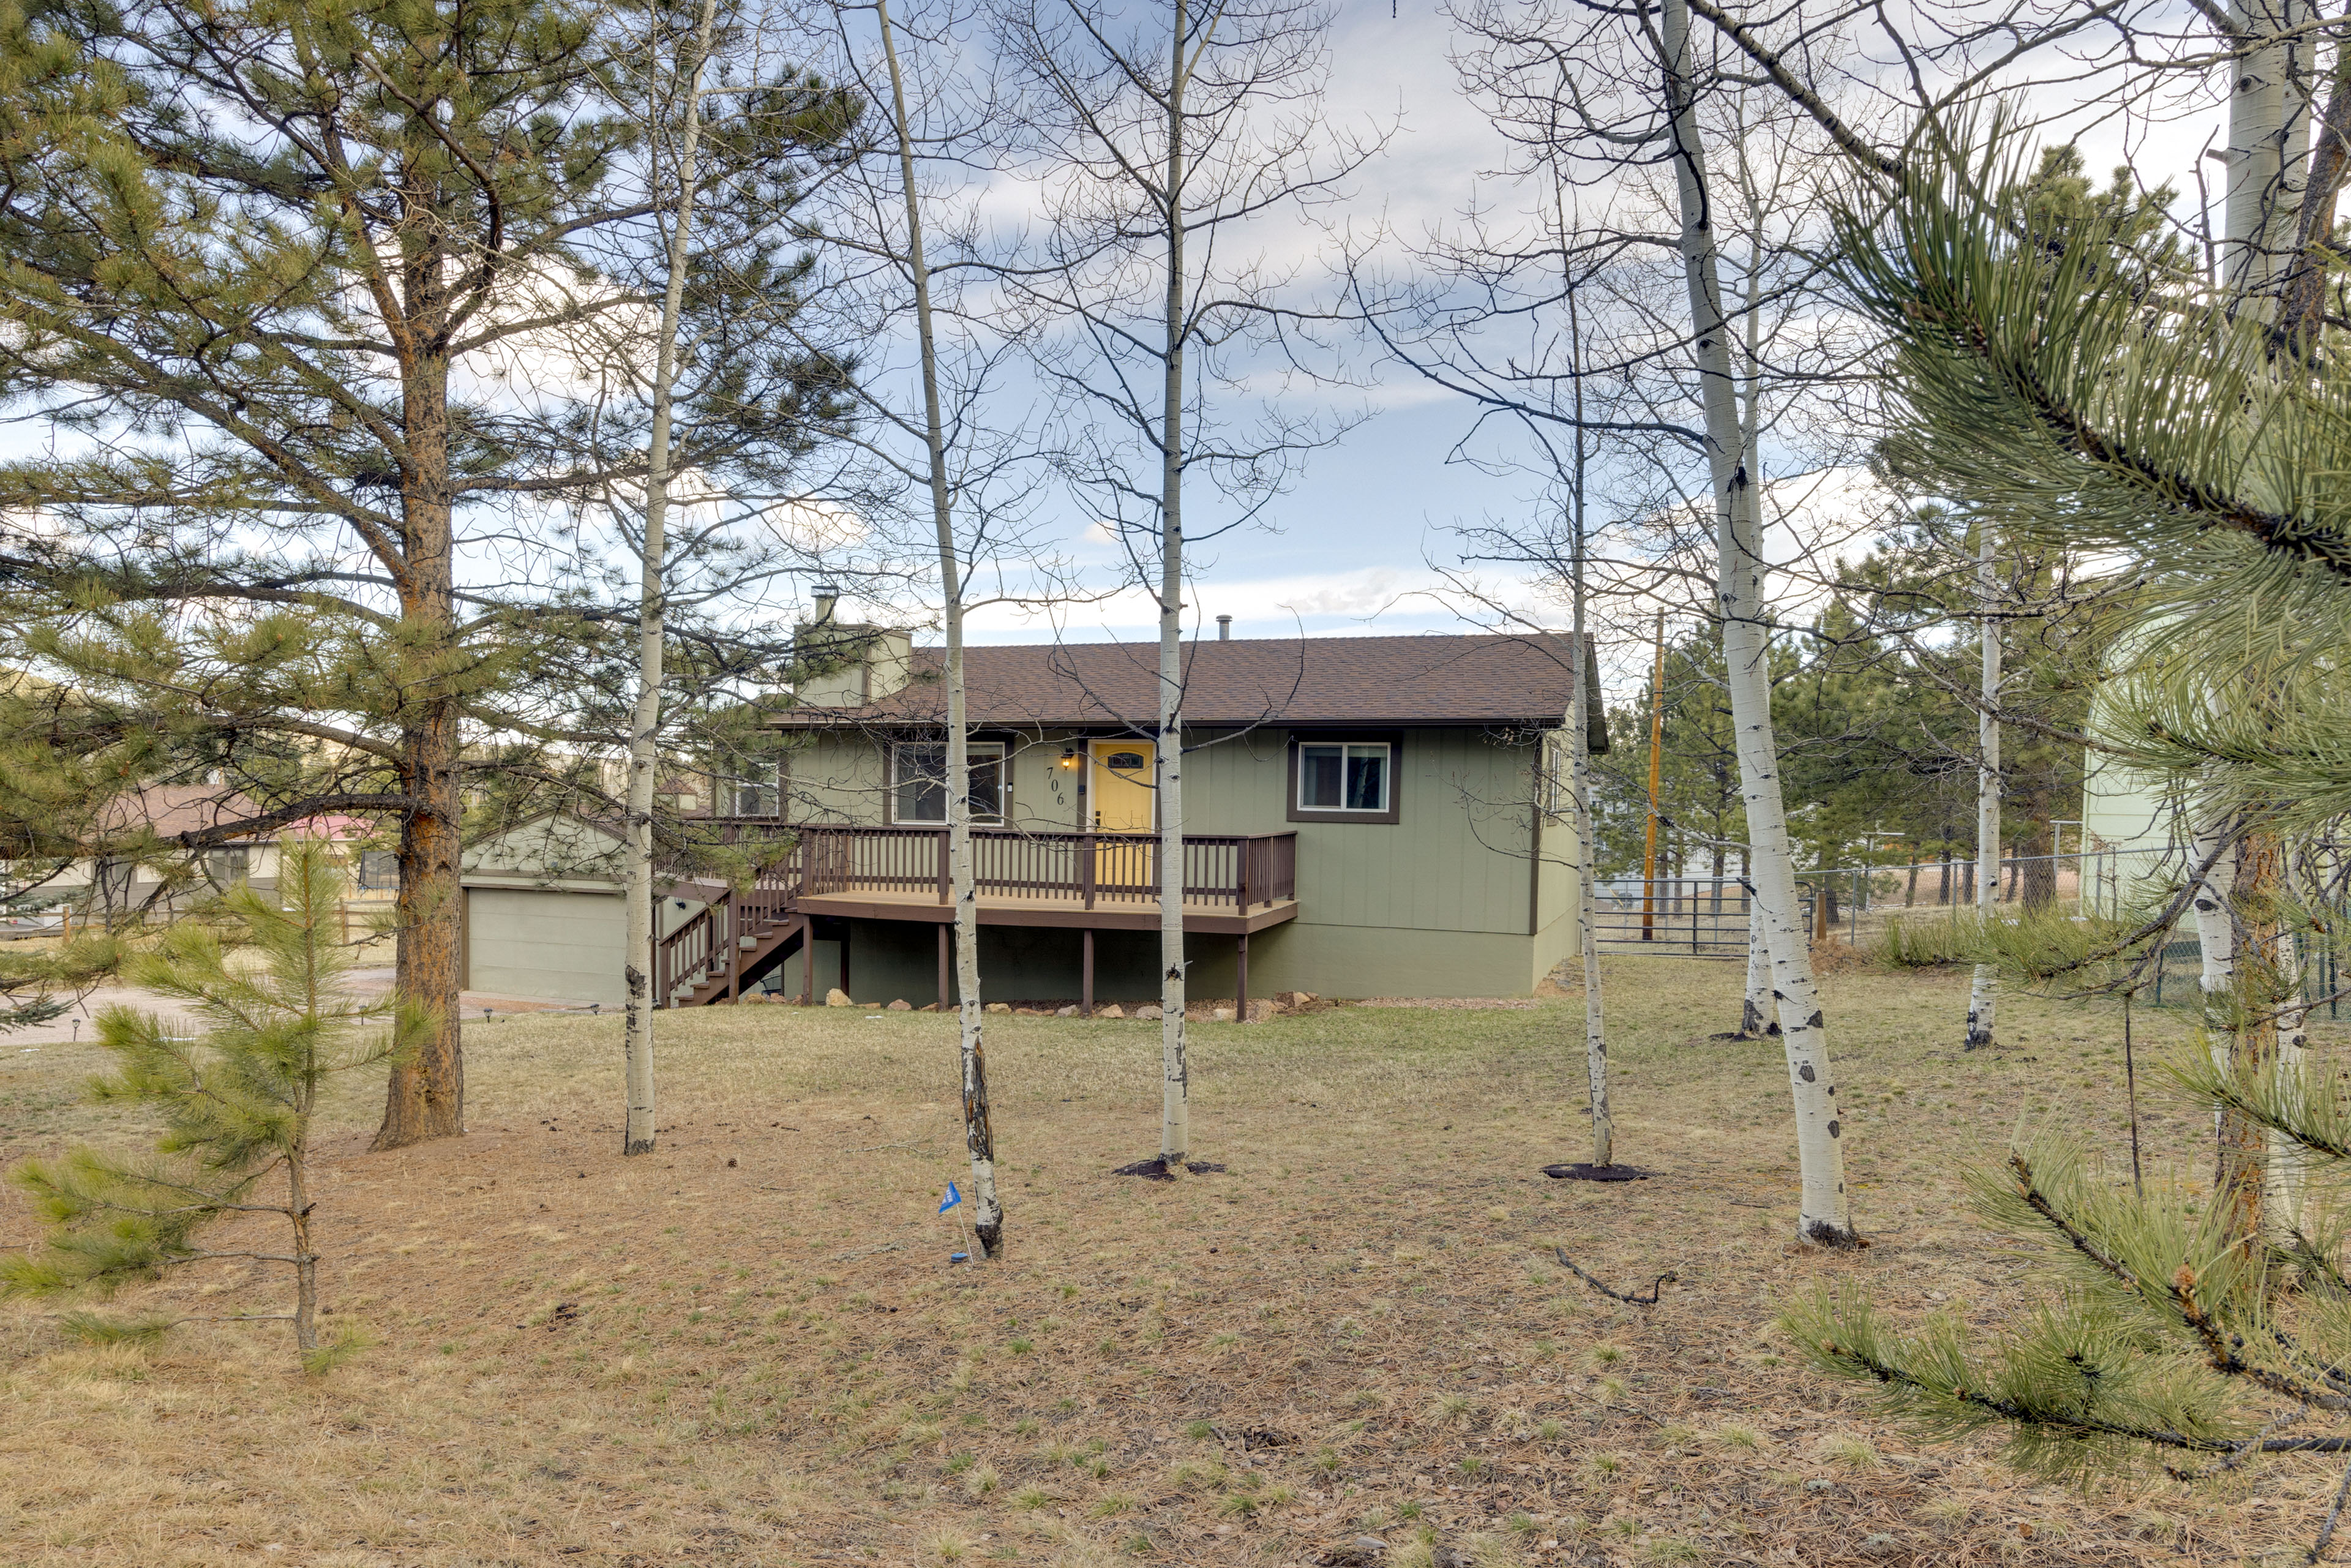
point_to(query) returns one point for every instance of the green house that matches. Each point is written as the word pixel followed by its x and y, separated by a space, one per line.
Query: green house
pixel 1363 816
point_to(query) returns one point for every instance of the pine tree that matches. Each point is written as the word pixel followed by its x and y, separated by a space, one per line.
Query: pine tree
pixel 2067 374
pixel 237 1102
pixel 275 275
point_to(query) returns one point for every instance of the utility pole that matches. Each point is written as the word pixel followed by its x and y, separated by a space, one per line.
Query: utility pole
pixel 1657 776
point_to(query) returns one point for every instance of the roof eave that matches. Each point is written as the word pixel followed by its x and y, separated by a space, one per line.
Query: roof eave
pixel 864 721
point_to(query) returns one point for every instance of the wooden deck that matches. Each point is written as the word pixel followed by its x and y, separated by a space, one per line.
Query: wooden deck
pixel 1234 884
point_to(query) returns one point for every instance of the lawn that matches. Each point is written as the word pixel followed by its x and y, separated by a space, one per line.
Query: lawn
pixel 751 1347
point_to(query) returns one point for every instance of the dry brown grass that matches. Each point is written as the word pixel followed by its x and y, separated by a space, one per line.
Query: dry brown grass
pixel 750 1348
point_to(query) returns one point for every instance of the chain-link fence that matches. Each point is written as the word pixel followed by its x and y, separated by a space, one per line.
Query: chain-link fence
pixel 1707 916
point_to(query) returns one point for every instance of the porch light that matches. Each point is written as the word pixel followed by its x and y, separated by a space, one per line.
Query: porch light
pixel 1068 757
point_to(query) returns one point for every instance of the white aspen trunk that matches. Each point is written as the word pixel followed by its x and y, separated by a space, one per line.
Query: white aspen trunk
pixel 1595 1034
pixel 1176 1094
pixel 1983 996
pixel 2288 1158
pixel 1757 1017
pixel 979 1132
pixel 2269 137
pixel 1826 1211
pixel 2270 101
pixel 2216 934
pixel 637 1133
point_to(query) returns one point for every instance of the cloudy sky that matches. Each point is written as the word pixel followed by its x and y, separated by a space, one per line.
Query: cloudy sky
pixel 1349 549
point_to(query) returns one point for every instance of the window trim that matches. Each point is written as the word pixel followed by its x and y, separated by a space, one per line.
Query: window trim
pixel 1003 754
pixel 1391 739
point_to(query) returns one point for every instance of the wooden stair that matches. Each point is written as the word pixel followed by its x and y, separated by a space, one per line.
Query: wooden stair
pixel 764 940
pixel 729 942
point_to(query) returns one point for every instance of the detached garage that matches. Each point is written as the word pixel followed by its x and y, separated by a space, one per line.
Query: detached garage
pixel 544 913
pixel 549 943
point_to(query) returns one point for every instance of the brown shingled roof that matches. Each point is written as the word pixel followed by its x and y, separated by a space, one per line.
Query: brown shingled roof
pixel 1513 681
pixel 172 810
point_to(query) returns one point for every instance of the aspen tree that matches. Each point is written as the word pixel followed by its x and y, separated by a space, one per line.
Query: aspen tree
pixel 1826 1210
pixel 639 1128
pixel 1162 133
pixel 1587 934
pixel 979 1134
pixel 1983 992
pixel 1757 1014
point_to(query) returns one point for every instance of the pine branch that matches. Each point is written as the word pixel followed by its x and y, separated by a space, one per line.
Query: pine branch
pixel 2039 1203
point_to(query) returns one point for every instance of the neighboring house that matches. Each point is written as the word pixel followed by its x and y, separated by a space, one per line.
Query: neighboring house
pixel 2128 814
pixel 2136 830
pixel 1365 816
pixel 166 875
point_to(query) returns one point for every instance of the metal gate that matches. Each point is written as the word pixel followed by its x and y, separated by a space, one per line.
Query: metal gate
pixel 1688 917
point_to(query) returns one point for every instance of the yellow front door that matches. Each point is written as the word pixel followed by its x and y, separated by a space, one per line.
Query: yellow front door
pixel 1121 799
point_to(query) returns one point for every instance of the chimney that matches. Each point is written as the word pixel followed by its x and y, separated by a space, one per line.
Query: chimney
pixel 1224 628
pixel 847 665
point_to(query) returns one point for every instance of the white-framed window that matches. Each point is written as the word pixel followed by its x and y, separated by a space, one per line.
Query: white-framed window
pixel 1558 764
pixel 226 867
pixel 1344 776
pixel 918 782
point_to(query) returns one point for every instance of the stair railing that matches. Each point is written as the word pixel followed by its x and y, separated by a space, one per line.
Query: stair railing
pixel 708 943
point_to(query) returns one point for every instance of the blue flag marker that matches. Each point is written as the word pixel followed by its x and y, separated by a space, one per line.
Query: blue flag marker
pixel 952 1199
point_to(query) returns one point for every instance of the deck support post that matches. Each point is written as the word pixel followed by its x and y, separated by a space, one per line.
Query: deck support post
pixel 808 959
pixel 734 948
pixel 1086 972
pixel 944 941
pixel 1240 978
pixel 844 960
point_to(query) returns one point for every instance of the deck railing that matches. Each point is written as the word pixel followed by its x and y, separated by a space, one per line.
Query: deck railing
pixel 1239 872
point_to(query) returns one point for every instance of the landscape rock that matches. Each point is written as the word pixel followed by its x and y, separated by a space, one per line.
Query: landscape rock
pixel 998 1008
pixel 1148 1010
pixel 1262 1008
pixel 1068 1012
pixel 901 1006
pixel 1111 1012
pixel 1221 1014
pixel 837 998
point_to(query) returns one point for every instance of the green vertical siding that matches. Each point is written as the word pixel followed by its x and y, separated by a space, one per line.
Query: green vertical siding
pixel 1460 859
pixel 838 779
pixel 1461 862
